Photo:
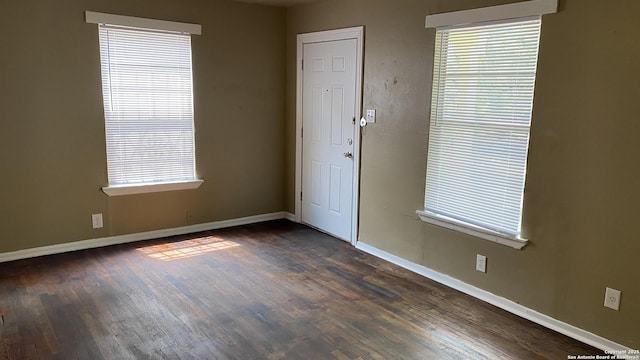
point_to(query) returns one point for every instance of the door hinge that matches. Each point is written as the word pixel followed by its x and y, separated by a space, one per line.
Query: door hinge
pixel 300 195
pixel 302 64
pixel 302 132
pixel 354 120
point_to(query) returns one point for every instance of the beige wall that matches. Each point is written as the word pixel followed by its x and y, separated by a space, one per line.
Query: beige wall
pixel 52 147
pixel 582 188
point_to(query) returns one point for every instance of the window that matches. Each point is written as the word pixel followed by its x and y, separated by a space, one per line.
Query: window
pixel 148 107
pixel 482 99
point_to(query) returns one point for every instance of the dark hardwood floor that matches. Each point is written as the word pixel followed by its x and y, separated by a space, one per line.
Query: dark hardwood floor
pixel 274 290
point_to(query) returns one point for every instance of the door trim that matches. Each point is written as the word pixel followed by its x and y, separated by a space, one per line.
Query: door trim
pixel 325 36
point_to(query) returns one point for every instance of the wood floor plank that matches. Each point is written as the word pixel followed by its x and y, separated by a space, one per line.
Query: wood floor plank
pixel 275 290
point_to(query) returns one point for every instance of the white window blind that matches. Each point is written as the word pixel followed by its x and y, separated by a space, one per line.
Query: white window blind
pixel 482 99
pixel 148 105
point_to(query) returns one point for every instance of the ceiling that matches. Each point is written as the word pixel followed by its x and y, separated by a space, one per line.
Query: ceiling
pixel 279 2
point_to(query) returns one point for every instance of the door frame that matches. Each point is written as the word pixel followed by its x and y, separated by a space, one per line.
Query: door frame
pixel 356 33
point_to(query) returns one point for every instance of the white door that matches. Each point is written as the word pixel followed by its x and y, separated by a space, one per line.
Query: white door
pixel 328 125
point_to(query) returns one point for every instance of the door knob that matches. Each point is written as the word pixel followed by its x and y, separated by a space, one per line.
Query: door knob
pixel 348 155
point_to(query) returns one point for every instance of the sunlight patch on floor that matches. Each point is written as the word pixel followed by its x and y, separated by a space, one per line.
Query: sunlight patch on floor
pixel 187 248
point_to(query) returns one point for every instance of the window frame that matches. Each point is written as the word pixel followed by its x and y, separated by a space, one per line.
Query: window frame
pixel 478 17
pixel 148 25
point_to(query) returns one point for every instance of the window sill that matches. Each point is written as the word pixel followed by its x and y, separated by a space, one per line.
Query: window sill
pixel 469 229
pixel 119 190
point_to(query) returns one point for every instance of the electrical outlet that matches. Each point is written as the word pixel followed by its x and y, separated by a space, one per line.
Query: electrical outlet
pixel 481 263
pixel 96 221
pixel 612 298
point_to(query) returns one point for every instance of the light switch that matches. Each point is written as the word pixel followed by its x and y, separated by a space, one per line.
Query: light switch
pixel 371 116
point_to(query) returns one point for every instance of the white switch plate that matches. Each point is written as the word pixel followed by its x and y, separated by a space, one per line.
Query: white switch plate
pixel 371 116
pixel 612 298
pixel 96 221
pixel 481 263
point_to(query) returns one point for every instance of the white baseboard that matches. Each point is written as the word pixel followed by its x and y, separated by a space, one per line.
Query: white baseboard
pixel 289 216
pixel 148 235
pixel 501 302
